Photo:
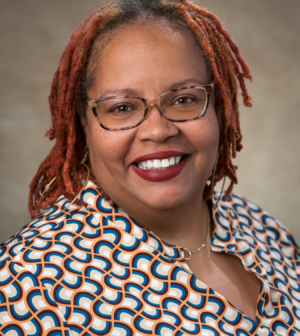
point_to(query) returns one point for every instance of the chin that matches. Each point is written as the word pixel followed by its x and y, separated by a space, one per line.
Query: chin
pixel 166 201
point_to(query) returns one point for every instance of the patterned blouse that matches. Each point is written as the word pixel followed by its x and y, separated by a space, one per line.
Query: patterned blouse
pixel 92 270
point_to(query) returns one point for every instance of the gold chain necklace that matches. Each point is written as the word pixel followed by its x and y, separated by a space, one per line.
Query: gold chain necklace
pixel 185 249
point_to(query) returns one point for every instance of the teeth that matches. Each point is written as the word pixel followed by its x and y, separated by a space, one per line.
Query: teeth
pixel 159 164
pixel 149 164
pixel 165 163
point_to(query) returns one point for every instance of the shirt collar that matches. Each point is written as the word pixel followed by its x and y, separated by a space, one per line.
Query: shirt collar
pixel 223 236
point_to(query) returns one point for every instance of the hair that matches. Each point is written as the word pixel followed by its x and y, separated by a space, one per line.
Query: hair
pixel 76 73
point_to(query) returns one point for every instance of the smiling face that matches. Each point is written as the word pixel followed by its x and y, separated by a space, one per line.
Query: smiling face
pixel 148 60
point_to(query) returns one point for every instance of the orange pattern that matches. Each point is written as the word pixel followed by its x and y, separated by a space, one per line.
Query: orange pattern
pixel 95 271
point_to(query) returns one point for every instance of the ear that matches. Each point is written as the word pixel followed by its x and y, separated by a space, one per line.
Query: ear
pixel 218 113
pixel 85 126
pixel 217 104
pixel 84 123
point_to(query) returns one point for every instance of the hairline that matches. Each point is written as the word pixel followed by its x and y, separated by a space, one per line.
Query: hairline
pixel 106 35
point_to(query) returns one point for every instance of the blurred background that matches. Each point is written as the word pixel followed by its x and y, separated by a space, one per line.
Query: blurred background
pixel 33 35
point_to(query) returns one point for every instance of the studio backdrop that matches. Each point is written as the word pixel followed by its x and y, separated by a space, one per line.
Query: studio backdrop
pixel 33 35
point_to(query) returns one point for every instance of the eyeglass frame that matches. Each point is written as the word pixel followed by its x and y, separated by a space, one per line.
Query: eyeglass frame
pixel 156 102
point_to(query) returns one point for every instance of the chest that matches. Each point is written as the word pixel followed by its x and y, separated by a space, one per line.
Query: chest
pixel 226 275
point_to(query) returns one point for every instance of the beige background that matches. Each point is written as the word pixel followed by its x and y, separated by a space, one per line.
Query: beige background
pixel 33 34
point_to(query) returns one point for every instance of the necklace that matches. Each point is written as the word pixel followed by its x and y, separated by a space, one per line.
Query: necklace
pixel 189 252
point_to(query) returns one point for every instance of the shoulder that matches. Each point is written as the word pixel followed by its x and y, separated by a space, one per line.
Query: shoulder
pixel 38 234
pixel 255 223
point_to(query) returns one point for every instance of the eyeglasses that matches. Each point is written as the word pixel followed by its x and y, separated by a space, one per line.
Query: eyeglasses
pixel 120 113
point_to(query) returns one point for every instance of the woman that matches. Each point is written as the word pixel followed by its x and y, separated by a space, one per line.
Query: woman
pixel 145 117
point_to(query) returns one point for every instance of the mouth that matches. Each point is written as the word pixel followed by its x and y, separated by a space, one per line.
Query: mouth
pixel 160 166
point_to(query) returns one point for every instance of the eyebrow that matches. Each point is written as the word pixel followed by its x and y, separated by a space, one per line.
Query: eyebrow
pixel 131 92
pixel 120 92
pixel 180 84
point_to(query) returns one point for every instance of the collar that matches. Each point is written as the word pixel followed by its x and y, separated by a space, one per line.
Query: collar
pixel 224 224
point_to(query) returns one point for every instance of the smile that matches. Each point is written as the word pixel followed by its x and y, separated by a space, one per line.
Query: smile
pixel 159 164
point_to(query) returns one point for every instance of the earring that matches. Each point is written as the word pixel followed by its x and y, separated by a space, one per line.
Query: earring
pixel 213 181
pixel 82 162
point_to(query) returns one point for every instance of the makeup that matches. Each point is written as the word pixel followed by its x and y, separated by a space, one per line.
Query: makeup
pixel 160 166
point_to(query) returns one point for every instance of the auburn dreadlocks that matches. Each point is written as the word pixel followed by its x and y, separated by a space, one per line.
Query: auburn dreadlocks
pixel 76 73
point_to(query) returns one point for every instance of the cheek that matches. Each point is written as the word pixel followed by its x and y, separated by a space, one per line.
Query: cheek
pixel 204 136
pixel 205 133
pixel 108 151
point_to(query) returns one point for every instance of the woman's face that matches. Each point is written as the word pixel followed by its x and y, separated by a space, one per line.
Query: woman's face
pixel 148 60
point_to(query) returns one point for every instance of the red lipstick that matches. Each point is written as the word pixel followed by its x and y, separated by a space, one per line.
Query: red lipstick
pixel 159 175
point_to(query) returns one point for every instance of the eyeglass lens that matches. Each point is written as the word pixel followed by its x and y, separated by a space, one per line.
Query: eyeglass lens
pixel 121 112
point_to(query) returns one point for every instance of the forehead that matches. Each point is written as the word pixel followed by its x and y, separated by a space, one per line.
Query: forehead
pixel 167 27
pixel 149 54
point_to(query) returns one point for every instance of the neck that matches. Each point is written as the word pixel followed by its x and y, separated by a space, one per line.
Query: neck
pixel 184 226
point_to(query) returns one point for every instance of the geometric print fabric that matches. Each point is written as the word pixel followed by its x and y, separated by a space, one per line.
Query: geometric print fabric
pixel 92 270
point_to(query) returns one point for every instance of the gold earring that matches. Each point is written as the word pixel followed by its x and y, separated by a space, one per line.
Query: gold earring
pixel 82 162
pixel 213 181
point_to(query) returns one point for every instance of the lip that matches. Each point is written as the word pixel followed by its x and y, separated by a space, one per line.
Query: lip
pixel 159 175
pixel 158 155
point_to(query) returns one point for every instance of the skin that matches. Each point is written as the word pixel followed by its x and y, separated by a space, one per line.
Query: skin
pixel 148 59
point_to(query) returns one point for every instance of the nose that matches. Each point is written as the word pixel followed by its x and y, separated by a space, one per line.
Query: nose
pixel 156 127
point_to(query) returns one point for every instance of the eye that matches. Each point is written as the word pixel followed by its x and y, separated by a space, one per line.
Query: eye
pixel 184 100
pixel 121 109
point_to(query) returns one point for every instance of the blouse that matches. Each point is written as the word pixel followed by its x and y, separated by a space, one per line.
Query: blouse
pixel 93 270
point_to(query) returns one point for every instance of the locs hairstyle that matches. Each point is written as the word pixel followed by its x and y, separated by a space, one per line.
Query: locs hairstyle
pixel 77 70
